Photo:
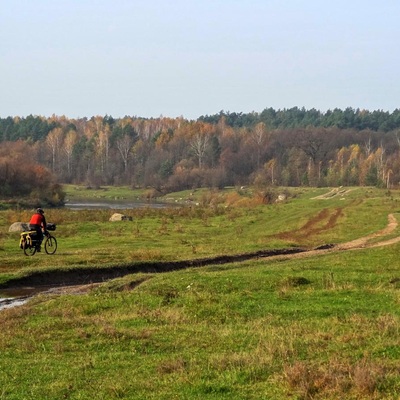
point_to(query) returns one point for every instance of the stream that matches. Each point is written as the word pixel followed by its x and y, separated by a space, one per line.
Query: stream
pixel 116 205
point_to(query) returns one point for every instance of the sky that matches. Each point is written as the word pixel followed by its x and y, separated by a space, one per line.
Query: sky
pixel 152 58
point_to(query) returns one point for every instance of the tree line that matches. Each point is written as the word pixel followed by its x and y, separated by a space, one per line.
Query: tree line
pixel 292 147
pixel 349 118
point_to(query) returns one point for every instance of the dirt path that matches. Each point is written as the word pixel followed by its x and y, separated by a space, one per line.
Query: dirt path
pixel 360 243
pixel 336 192
pixel 363 242
pixel 83 279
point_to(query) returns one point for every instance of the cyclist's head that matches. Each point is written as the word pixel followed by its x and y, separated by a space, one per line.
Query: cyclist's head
pixel 40 211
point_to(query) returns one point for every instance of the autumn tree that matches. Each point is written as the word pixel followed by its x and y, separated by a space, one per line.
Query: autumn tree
pixel 285 147
pixel 70 140
pixel 54 140
pixel 258 137
pixel 123 138
pixel 200 138
pixel 21 177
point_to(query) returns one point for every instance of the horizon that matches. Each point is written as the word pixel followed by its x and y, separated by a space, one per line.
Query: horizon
pixel 323 112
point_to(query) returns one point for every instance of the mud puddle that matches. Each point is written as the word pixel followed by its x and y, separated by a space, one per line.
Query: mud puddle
pixel 12 302
pixel 17 296
pixel 13 297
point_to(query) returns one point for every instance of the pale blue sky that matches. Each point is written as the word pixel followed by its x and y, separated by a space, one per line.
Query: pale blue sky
pixel 189 58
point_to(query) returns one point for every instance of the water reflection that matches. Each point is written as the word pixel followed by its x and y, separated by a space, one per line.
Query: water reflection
pixel 12 302
pixel 120 205
pixel 14 297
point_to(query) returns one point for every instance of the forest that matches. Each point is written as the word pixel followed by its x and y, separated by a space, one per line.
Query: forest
pixel 289 147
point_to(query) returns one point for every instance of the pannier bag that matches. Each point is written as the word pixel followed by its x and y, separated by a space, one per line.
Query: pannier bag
pixel 51 227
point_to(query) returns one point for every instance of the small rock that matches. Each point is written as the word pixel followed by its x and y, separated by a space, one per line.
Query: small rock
pixel 19 227
pixel 281 197
pixel 120 217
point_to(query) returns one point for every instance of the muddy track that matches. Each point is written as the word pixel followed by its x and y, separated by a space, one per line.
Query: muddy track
pixel 85 276
pixel 323 221
pixel 81 276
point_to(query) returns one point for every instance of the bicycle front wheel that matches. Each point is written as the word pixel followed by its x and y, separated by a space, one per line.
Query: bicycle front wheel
pixel 50 245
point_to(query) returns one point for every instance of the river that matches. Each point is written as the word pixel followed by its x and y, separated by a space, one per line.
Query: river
pixel 116 205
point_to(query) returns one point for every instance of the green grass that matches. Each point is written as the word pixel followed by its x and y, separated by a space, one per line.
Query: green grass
pixel 247 330
pixel 87 237
pixel 107 193
pixel 320 327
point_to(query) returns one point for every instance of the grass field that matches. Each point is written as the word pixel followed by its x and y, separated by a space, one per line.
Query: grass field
pixel 323 326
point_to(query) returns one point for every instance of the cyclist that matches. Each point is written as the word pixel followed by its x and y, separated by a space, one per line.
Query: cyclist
pixel 38 224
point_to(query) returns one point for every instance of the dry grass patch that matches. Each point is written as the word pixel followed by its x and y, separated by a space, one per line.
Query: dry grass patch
pixel 336 379
pixel 173 365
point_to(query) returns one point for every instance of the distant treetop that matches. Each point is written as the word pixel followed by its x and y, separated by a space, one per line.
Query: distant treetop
pixel 296 117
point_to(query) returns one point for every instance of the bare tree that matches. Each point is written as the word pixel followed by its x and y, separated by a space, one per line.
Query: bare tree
pixel 124 146
pixel 53 141
pixel 381 162
pixel 70 141
pixel 103 147
pixel 397 135
pixel 259 137
pixel 368 147
pixel 199 145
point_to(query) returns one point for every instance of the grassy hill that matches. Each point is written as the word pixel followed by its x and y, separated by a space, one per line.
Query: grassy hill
pixel 320 325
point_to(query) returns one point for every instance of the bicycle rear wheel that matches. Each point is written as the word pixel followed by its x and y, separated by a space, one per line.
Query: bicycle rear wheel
pixel 50 244
pixel 28 249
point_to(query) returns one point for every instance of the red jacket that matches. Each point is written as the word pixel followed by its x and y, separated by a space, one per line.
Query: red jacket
pixel 38 219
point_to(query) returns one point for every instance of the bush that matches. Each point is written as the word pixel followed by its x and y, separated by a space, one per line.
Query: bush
pixel 21 177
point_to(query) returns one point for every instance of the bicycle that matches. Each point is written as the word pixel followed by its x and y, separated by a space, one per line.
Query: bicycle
pixel 29 243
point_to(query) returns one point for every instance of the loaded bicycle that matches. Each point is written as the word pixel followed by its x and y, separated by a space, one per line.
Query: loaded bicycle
pixel 30 243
